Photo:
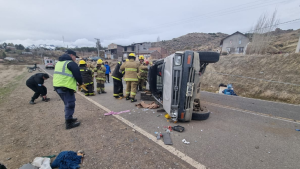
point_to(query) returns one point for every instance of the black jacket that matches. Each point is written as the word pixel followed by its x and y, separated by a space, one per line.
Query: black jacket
pixel 86 74
pixel 117 73
pixel 37 82
pixel 73 67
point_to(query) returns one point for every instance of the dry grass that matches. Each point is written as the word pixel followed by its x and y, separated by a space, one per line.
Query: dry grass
pixel 273 67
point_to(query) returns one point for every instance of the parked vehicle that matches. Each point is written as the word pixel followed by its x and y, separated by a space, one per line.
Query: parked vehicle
pixel 49 63
pixel 175 83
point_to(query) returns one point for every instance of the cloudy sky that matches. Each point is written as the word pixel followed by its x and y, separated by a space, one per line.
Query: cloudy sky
pixel 127 21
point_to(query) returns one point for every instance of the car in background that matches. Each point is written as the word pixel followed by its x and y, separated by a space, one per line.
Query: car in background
pixel 49 63
pixel 175 83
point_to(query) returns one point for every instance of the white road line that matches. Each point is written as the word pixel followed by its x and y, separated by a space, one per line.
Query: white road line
pixel 253 113
pixel 171 149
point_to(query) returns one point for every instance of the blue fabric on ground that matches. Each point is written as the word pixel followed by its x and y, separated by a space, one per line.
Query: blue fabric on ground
pixel 67 160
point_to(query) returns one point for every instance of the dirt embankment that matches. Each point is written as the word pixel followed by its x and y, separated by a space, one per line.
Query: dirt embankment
pixel 279 68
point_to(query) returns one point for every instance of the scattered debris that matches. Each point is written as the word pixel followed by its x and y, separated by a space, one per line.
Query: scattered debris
pixel 167 138
pixel 67 159
pixel 297 129
pixel 42 163
pixel 153 105
pixel 185 142
pixel 133 130
pixel 116 113
pixel 160 110
pixel 8 158
pixel 167 116
pixel 178 128
pixel 158 115
pixel 28 166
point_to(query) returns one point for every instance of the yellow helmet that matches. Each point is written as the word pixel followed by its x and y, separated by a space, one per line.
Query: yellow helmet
pixel 132 54
pixel 99 61
pixel 141 57
pixel 127 60
pixel 82 62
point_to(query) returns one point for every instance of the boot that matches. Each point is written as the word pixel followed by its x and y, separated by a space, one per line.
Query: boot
pixel 127 98
pixel 103 92
pixel 74 119
pixel 31 102
pixel 133 100
pixel 70 123
pixel 99 93
pixel 46 100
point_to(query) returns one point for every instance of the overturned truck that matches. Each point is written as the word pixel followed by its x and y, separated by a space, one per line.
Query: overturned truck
pixel 175 83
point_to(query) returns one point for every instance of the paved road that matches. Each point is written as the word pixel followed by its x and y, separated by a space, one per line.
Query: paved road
pixel 240 133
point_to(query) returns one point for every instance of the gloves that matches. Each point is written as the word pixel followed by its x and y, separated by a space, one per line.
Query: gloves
pixel 82 87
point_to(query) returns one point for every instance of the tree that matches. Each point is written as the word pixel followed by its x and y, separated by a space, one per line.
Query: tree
pixel 7 50
pixel 19 47
pixel 262 33
pixel 4 45
pixel 10 44
pixel 27 50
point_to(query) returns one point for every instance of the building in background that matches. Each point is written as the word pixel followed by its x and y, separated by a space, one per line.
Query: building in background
pixel 235 43
pixel 163 51
pixel 114 51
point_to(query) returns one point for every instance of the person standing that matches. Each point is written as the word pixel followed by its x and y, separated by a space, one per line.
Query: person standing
pixel 100 77
pixel 87 77
pixel 131 70
pixel 107 72
pixel 117 80
pixel 65 76
pixel 141 67
pixel 36 84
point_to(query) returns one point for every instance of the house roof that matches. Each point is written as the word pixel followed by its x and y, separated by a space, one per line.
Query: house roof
pixel 237 32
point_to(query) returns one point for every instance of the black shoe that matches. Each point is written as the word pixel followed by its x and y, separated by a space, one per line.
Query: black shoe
pixel 31 102
pixel 128 98
pixel 103 92
pixel 74 119
pixel 99 93
pixel 133 100
pixel 71 124
pixel 46 100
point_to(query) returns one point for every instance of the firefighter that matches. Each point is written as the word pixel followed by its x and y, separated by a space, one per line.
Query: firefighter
pixel 100 77
pixel 142 75
pixel 117 80
pixel 87 78
pixel 131 70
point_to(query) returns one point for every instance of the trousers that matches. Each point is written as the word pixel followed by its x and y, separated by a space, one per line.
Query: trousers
pixel 131 88
pixel 90 88
pixel 36 92
pixel 107 77
pixel 118 88
pixel 100 85
pixel 68 97
pixel 142 84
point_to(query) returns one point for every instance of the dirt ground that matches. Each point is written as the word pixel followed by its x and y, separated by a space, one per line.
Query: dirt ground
pixel 28 131
pixel 9 72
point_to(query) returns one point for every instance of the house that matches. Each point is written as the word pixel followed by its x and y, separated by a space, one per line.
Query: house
pixel 10 59
pixel 114 51
pixel 137 48
pixel 235 43
pixel 161 50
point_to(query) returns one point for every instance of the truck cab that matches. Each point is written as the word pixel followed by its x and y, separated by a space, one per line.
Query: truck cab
pixel 175 83
pixel 49 63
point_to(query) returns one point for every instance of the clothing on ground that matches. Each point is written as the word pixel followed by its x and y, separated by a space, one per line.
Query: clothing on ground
pixel 67 160
pixel 116 113
pixel 152 105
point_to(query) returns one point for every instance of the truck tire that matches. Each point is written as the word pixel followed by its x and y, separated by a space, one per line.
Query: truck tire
pixel 200 116
pixel 209 57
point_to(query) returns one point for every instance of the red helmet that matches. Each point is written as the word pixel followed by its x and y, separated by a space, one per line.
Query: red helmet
pixel 147 62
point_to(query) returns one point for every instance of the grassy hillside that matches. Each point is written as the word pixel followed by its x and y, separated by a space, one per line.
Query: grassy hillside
pixel 281 68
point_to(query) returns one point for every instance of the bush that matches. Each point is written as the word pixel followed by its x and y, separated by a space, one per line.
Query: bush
pixel 3 55
pixel 7 50
pixel 224 53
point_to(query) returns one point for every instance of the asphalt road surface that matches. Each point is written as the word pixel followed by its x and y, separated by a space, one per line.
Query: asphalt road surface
pixel 240 133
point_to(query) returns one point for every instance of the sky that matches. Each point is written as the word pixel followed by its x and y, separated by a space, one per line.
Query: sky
pixel 78 22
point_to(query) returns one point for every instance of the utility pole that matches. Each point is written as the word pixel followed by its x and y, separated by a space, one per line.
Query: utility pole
pixel 63 41
pixel 98 45
pixel 298 46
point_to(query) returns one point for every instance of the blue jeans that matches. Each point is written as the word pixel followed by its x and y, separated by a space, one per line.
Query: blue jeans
pixel 68 97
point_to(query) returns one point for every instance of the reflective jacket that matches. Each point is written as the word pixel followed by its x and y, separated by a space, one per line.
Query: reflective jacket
pixel 86 75
pixel 131 70
pixel 116 73
pixel 143 72
pixel 100 72
pixel 63 77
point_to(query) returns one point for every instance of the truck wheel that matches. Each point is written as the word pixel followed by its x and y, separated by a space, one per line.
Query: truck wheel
pixel 209 57
pixel 200 116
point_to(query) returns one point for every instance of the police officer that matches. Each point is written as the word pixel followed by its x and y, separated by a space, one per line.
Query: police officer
pixel 36 83
pixel 117 79
pixel 87 78
pixel 131 70
pixel 66 74
pixel 100 77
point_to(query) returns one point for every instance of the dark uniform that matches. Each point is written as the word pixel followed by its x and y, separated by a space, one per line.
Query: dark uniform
pixel 87 77
pixel 35 83
pixel 117 79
